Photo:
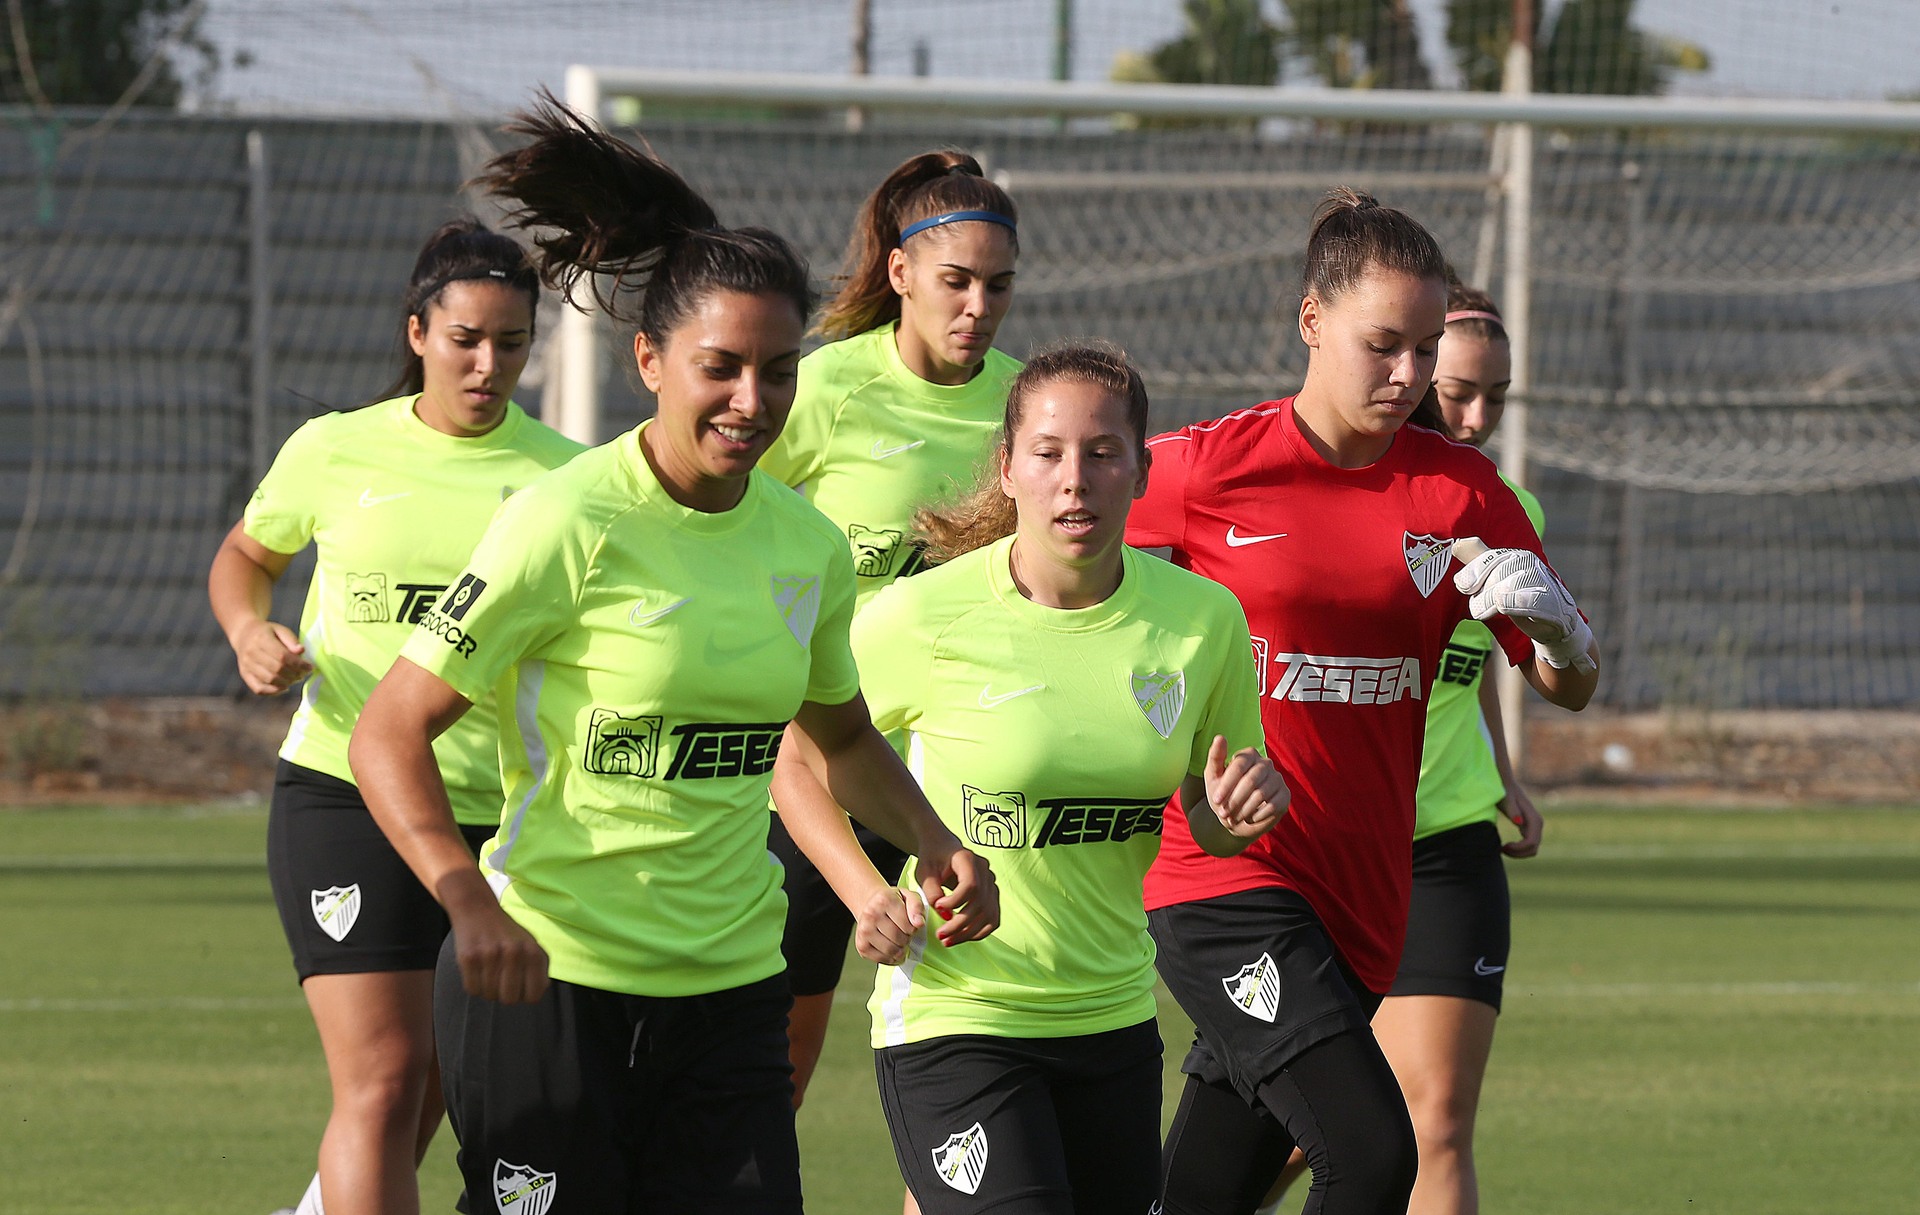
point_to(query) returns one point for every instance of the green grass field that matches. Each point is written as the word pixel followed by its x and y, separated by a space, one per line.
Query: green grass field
pixel 1708 1011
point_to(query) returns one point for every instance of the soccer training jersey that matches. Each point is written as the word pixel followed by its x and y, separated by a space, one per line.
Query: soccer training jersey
pixel 1459 780
pixel 1345 575
pixel 646 658
pixel 1049 741
pixel 869 442
pixel 395 507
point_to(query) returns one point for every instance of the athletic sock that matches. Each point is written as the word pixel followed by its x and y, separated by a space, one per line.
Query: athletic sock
pixel 310 1201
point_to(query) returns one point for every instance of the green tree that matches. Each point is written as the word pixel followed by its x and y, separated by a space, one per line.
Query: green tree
pixel 97 52
pixel 1360 43
pixel 1225 42
pixel 1593 47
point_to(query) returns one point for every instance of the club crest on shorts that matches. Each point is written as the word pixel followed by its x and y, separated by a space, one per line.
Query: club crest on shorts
pixel 799 602
pixel 1427 560
pixel 519 1190
pixel 1161 697
pixel 962 1160
pixel 1255 991
pixel 336 908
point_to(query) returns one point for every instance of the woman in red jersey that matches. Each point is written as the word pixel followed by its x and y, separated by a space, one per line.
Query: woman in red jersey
pixel 1335 529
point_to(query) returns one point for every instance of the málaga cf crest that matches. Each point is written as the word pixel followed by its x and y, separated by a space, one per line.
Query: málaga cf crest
pixel 336 908
pixel 1427 561
pixel 1161 697
pixel 1255 990
pixel 799 602
pixel 962 1160
pixel 519 1190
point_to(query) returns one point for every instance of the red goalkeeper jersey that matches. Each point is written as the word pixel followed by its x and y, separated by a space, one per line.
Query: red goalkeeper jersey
pixel 1346 579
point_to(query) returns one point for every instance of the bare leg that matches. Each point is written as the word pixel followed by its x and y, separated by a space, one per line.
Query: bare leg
pixel 1439 1046
pixel 806 1037
pixel 377 1032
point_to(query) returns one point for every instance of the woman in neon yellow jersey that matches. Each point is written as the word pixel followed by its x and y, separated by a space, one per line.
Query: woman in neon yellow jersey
pixel 1054 687
pixel 395 495
pixel 611 1004
pixel 1436 1024
pixel 895 413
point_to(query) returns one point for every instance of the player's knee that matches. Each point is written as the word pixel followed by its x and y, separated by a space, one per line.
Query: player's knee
pixel 1371 1172
pixel 1443 1129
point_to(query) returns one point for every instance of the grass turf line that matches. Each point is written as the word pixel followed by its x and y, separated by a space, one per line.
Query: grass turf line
pixel 1707 1011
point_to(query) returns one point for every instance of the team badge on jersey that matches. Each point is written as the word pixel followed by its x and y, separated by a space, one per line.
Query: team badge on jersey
pixel 622 746
pixel 874 549
pixel 336 908
pixel 799 602
pixel 1255 991
pixel 1161 697
pixel 962 1160
pixel 1427 561
pixel 519 1190
pixel 367 598
pixel 993 820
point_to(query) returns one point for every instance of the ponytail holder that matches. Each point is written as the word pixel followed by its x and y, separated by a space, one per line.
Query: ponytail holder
pixel 1476 316
pixel 956 217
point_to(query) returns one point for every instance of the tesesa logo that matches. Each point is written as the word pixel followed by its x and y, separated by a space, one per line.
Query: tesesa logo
pixel 628 744
pixel 993 820
pixel 1358 681
pixel 367 599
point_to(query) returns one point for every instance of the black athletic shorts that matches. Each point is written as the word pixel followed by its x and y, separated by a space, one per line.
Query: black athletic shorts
pixel 1261 980
pixel 818 923
pixel 589 1102
pixel 1460 924
pixel 347 901
pixel 1069 1126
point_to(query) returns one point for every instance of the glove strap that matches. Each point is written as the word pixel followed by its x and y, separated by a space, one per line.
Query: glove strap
pixel 1569 651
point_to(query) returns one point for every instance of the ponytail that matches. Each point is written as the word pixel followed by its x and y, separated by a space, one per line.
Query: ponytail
pixel 986 513
pixel 1353 233
pixel 924 186
pixel 617 222
pixel 460 250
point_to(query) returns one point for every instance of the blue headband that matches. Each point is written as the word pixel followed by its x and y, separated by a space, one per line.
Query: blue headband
pixel 955 217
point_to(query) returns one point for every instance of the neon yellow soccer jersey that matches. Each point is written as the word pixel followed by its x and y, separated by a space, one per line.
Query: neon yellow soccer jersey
pixel 645 659
pixel 395 507
pixel 1049 741
pixel 1459 781
pixel 868 442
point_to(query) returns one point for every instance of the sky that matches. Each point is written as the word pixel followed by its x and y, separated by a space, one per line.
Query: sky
pixel 442 57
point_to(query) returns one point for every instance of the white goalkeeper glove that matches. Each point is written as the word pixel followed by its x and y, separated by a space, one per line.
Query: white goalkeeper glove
pixel 1515 583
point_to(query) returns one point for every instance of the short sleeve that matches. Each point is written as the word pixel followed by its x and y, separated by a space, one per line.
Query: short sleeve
pixel 833 678
pixel 284 509
pixel 1159 519
pixel 520 590
pixel 895 657
pixel 1233 706
pixel 796 456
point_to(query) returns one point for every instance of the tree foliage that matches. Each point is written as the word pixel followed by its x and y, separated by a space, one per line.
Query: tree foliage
pixel 1225 42
pixel 95 52
pixel 1360 43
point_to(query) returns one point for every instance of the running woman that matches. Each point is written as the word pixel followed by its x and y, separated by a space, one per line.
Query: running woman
pixel 395 495
pixel 1334 527
pixel 1055 687
pixel 896 412
pixel 1436 1024
pixel 611 1004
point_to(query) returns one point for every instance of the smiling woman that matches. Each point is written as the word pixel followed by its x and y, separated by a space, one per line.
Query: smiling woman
pixel 611 1005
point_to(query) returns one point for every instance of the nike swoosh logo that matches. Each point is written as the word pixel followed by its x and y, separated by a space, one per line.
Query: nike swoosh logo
pixel 367 498
pixel 1480 967
pixel 988 700
pixel 880 453
pixel 1234 541
pixel 640 619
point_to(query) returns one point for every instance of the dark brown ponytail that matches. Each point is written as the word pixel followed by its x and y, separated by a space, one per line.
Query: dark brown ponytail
pixel 615 220
pixel 1352 233
pixel 932 183
pixel 985 514
pixel 460 250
